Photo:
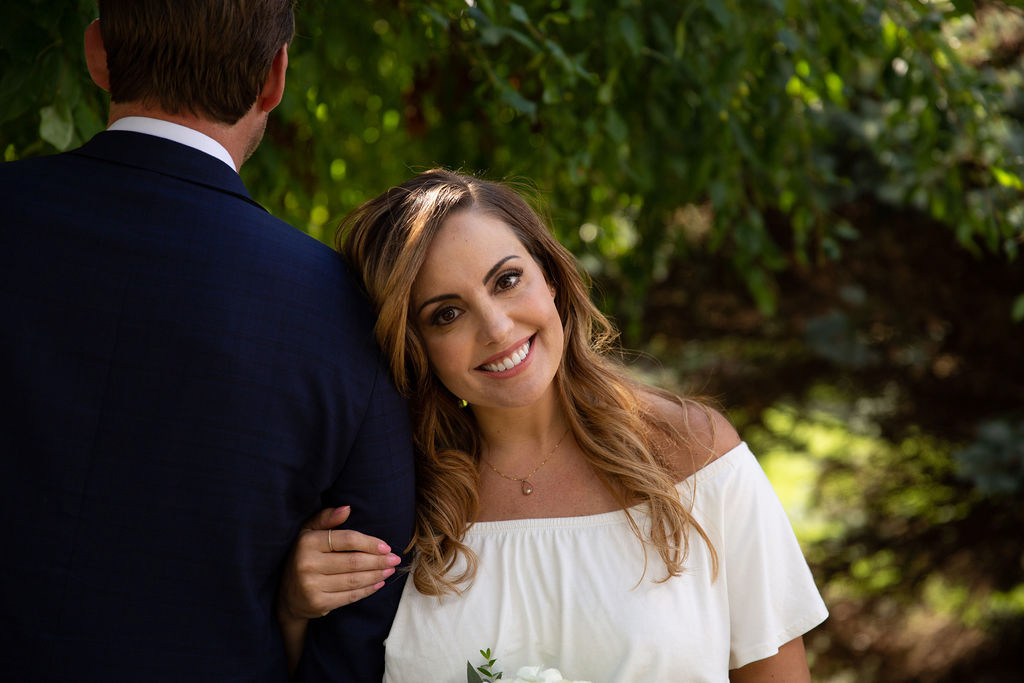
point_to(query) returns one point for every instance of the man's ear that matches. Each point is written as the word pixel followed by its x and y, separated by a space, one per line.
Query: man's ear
pixel 273 88
pixel 96 56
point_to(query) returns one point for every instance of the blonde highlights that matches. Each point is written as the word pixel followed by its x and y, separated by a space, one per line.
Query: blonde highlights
pixel 386 241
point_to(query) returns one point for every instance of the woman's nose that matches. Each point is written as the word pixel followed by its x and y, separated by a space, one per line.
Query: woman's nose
pixel 496 325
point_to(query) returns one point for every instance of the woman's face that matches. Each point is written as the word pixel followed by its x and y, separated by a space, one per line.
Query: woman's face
pixel 486 313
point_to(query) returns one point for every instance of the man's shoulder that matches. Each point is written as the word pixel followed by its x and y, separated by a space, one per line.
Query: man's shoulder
pixel 17 169
pixel 322 267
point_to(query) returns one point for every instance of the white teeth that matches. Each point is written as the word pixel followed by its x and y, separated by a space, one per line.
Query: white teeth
pixel 517 357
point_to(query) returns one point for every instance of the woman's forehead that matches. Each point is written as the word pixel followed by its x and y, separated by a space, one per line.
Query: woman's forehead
pixel 471 236
pixel 467 245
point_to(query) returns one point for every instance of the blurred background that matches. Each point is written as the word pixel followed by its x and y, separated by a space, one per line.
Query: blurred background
pixel 807 210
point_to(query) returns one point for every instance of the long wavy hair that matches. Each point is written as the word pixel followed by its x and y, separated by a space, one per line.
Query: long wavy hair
pixel 386 241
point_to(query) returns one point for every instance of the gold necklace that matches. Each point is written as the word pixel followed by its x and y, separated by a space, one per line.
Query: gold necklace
pixel 524 482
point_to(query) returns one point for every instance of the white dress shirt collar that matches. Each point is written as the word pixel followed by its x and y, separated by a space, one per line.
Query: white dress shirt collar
pixel 175 132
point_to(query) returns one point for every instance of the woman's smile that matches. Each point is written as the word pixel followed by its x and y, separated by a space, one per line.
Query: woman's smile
pixel 503 365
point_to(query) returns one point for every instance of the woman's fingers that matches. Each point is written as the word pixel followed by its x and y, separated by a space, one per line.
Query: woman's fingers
pixel 331 567
pixel 355 564
pixel 354 582
pixel 335 600
pixel 323 581
pixel 347 540
pixel 320 592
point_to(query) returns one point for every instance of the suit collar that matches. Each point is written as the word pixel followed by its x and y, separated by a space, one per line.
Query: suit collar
pixel 166 157
pixel 176 132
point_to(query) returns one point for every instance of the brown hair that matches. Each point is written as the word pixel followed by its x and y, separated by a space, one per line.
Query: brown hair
pixel 386 240
pixel 206 57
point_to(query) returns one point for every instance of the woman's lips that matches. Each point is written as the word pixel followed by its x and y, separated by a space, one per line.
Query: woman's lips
pixel 508 360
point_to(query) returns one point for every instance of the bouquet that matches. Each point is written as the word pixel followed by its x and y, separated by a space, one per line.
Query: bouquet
pixel 526 674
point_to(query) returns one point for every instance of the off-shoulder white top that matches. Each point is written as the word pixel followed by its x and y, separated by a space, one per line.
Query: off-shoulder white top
pixel 567 593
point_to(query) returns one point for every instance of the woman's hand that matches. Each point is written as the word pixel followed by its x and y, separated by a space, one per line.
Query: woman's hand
pixel 329 568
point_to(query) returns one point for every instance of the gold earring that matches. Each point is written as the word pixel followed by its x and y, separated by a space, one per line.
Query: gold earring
pixel 463 403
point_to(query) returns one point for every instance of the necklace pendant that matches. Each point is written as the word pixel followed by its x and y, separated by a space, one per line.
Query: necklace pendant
pixel 526 487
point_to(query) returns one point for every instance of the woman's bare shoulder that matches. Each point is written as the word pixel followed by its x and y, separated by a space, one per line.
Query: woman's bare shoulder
pixel 706 433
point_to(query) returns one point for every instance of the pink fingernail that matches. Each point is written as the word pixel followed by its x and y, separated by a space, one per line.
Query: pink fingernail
pixel 388 572
pixel 394 560
pixel 378 585
pixel 383 548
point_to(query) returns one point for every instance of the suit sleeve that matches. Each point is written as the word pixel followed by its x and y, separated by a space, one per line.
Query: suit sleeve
pixel 378 482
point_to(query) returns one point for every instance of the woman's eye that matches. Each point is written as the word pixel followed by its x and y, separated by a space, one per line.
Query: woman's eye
pixel 509 280
pixel 444 315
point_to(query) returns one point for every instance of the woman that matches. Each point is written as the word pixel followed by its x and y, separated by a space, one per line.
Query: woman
pixel 567 516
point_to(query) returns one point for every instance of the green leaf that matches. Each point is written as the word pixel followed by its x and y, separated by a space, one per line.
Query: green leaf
pixel 437 17
pixel 471 675
pixel 1017 312
pixel 69 85
pixel 761 287
pixel 511 97
pixel 630 33
pixel 846 231
pixel 557 18
pixel 680 39
pixel 1007 179
pixel 493 35
pixel 56 125
pixel 479 17
pixel 616 127
pixel 518 13
pixel 17 96
pixel 788 39
pixel 963 7
pixel 720 12
pixel 606 89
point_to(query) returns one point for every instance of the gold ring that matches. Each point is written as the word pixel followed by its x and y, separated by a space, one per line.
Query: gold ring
pixel 329 544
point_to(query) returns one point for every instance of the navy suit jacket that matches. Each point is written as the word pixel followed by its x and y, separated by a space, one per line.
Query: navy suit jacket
pixel 183 380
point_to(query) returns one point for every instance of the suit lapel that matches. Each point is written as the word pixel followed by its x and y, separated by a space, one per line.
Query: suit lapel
pixel 166 157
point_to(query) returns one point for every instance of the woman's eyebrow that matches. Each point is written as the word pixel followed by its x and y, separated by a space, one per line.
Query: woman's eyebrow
pixel 488 276
pixel 496 266
pixel 435 299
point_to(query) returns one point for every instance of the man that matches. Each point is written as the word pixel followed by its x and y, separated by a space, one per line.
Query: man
pixel 184 377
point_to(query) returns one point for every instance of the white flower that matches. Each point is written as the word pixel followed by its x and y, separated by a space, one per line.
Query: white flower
pixel 535 674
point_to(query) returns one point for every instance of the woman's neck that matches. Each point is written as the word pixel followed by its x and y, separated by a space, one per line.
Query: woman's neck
pixel 516 433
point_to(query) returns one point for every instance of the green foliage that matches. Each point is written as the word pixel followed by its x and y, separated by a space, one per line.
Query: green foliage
pixel 994 461
pixel 484 673
pixel 841 480
pixel 908 554
pixel 48 102
pixel 653 130
pixel 1018 309
pixel 833 336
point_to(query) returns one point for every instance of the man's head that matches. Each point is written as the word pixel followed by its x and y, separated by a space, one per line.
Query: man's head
pixel 205 58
